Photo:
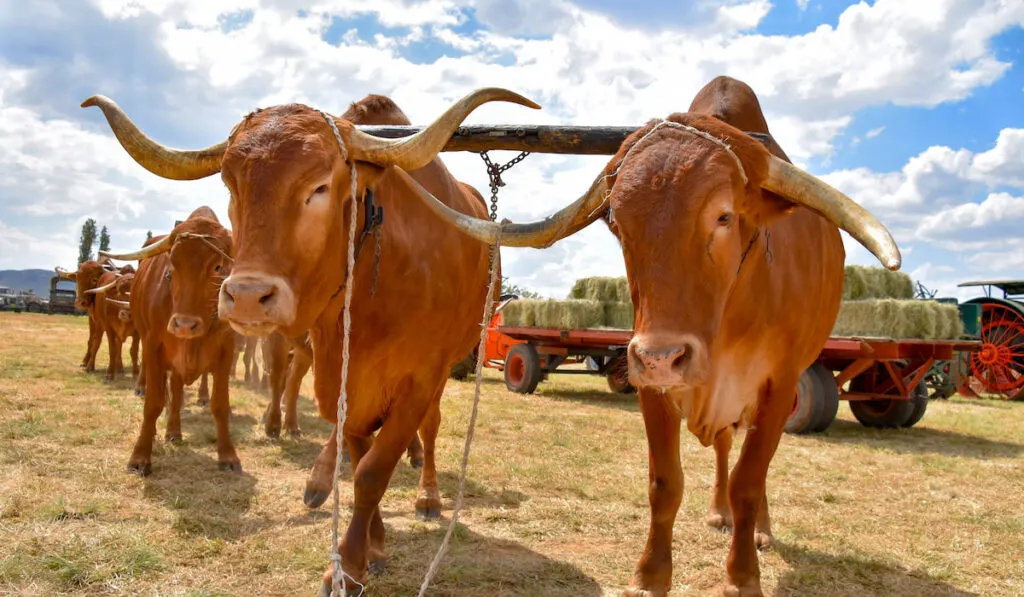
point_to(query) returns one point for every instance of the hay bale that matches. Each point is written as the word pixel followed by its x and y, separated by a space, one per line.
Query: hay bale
pixel 890 318
pixel 618 316
pixel 573 314
pixel 862 283
pixel 601 288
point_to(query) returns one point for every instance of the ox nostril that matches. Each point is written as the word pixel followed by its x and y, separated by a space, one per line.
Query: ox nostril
pixel 682 358
pixel 267 295
pixel 634 358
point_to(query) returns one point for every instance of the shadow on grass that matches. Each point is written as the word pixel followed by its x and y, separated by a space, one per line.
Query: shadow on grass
pixel 207 502
pixel 474 564
pixel 627 402
pixel 919 440
pixel 816 573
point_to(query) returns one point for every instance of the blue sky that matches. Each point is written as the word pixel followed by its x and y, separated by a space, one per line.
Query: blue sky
pixel 911 107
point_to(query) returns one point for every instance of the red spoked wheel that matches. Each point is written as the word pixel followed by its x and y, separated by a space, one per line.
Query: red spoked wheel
pixel 999 365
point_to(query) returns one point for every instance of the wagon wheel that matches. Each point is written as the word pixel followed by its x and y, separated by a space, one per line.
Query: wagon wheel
pixel 523 369
pixel 999 365
pixel 618 376
pixel 882 412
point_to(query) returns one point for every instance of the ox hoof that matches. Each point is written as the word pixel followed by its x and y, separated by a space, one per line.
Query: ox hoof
pixel 140 392
pixel 142 469
pixel 272 433
pixel 416 462
pixel 230 467
pixel 425 514
pixel 734 591
pixel 296 433
pixel 314 498
pixel 763 540
pixel 718 521
pixel 173 438
pixel 350 590
pixel 200 402
pixel 635 592
pixel 108 379
pixel 378 567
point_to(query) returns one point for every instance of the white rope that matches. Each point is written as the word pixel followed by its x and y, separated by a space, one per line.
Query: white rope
pixel 488 309
pixel 339 577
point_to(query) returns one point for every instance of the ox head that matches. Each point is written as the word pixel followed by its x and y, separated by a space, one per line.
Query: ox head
pixel 120 294
pixel 685 199
pixel 200 254
pixel 86 278
pixel 290 181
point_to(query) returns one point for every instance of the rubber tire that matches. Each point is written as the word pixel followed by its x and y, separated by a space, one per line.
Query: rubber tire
pixel 618 377
pixel 809 405
pixel 829 397
pixel 919 398
pixel 532 371
pixel 883 413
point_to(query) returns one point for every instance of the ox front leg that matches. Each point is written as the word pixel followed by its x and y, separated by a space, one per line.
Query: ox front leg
pixel 134 351
pixel 88 343
pixel 141 458
pixel 173 433
pixel 320 482
pixel 428 503
pixel 203 398
pixel 113 357
pixel 220 407
pixel 653 576
pixel 94 347
pixel 719 514
pixel 275 350
pixel 747 485
pixel 297 370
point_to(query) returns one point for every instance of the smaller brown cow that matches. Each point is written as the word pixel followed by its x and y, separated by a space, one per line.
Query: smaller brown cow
pixel 174 307
pixel 87 277
pixel 113 318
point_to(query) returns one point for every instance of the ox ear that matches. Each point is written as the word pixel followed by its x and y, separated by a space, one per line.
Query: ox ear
pixel 764 207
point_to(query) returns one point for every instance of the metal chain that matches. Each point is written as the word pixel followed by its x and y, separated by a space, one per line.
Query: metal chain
pixel 494 174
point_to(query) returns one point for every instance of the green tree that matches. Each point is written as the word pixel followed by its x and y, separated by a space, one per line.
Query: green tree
pixel 87 240
pixel 104 239
pixel 507 288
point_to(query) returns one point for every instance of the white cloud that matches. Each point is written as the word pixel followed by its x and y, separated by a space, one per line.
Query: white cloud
pixel 874 132
pixel 193 67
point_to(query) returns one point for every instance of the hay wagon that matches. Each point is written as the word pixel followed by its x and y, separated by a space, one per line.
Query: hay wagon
pixel 998 366
pixel 885 377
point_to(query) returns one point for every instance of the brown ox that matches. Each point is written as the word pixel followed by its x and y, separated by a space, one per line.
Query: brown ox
pixel 290 193
pixel 86 278
pixel 735 268
pixel 113 318
pixel 174 307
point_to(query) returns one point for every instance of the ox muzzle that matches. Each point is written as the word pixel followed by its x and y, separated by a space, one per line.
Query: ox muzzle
pixel 256 304
pixel 667 362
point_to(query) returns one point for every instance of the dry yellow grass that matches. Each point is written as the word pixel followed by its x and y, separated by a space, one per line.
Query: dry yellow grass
pixel 556 496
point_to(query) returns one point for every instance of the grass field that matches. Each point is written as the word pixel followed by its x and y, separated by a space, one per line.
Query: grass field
pixel 556 495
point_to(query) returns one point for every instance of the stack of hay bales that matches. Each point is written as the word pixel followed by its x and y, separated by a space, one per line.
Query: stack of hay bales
pixel 593 303
pixel 876 303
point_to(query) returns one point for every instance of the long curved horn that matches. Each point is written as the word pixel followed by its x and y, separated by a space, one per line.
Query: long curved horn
pixel 542 233
pixel 416 151
pixel 122 304
pixel 160 246
pixel 163 161
pixel 63 274
pixel 103 288
pixel 786 180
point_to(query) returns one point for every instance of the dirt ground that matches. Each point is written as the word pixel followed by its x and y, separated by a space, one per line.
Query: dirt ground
pixel 556 495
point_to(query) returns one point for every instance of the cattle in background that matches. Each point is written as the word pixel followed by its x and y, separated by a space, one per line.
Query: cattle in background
pixel 174 307
pixel 113 318
pixel 735 268
pixel 87 277
pixel 290 204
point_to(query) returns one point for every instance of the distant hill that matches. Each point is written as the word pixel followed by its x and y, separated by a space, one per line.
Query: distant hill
pixel 27 279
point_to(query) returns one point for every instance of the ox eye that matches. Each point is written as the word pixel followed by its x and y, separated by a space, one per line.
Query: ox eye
pixel 725 219
pixel 320 190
